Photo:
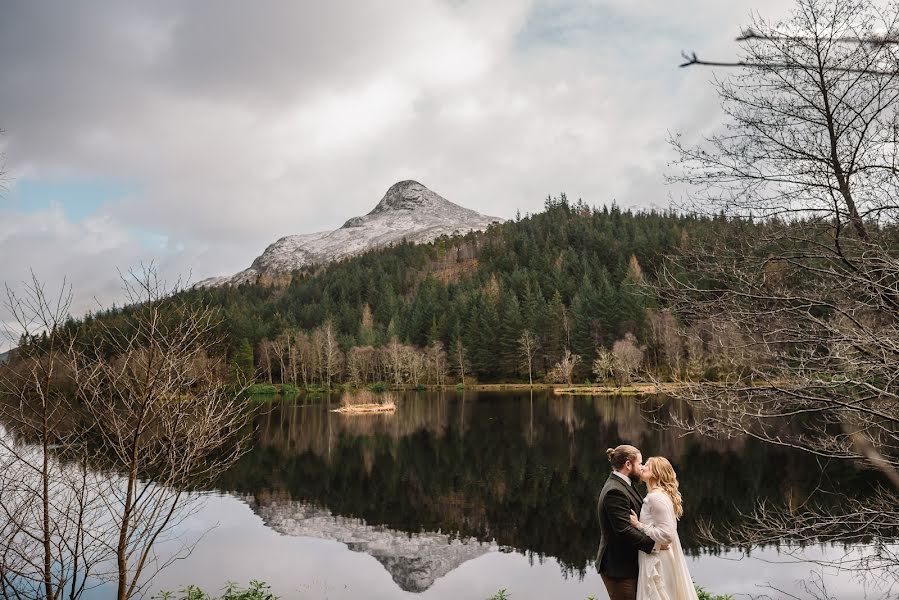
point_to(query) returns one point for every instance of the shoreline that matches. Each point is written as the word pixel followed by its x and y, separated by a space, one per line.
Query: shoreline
pixel 557 389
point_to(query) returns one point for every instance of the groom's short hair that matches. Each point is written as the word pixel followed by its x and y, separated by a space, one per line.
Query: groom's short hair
pixel 621 454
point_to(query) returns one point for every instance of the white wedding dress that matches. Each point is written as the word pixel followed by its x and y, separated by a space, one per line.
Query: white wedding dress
pixel 663 574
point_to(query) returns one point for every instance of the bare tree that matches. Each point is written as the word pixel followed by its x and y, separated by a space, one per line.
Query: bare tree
pixel 332 356
pixel 437 362
pixel 696 356
pixel 50 546
pixel 394 355
pixel 627 358
pixel 356 365
pixel 162 428
pixel 460 357
pixel 527 349
pixel 414 363
pixel 102 446
pixel 266 355
pixel 282 349
pixel 603 364
pixel 808 289
pixel 667 338
pixel 563 370
pixel 304 356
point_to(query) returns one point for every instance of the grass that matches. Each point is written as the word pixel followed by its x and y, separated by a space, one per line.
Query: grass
pixel 256 591
pixel 702 593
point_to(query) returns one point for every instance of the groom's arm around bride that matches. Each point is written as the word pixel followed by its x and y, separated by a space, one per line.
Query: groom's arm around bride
pixel 616 559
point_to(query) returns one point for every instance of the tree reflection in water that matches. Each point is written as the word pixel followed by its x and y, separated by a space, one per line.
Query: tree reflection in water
pixel 523 470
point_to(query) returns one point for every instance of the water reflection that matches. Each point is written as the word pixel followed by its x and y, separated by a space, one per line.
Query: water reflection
pixel 519 470
pixel 414 561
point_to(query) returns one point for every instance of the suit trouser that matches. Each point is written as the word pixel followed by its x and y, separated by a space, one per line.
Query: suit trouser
pixel 620 589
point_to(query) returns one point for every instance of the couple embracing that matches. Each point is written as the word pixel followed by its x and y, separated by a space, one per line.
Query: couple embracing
pixel 640 555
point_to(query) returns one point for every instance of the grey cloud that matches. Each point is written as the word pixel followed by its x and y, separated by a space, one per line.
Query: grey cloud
pixel 238 123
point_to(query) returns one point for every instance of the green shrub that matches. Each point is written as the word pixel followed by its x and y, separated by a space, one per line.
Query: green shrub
pixel 256 591
pixel 704 595
pixel 420 388
pixel 460 386
pixel 289 389
pixel 500 595
pixel 262 389
pixel 711 374
pixel 378 387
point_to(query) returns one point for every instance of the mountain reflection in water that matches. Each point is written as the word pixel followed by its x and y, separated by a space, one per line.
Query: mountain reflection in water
pixel 513 469
pixel 414 561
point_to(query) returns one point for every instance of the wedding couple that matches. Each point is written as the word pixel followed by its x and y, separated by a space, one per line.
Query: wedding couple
pixel 641 558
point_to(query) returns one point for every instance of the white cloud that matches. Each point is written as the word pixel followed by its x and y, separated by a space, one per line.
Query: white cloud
pixel 88 255
pixel 244 122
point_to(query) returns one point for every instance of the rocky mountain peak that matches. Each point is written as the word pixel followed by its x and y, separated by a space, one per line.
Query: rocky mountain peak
pixel 409 212
pixel 406 195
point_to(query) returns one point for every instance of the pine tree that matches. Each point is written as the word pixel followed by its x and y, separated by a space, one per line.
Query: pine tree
pixel 243 367
pixel 510 328
pixel 366 335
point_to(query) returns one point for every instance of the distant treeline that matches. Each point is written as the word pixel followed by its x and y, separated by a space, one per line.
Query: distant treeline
pixel 572 276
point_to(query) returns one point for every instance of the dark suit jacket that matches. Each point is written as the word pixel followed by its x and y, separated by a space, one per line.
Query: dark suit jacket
pixel 619 542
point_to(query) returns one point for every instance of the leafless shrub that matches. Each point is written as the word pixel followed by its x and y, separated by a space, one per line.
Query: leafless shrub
pixel 101 452
pixel 563 370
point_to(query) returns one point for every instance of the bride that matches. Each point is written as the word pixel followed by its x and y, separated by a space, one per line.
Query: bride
pixel 663 575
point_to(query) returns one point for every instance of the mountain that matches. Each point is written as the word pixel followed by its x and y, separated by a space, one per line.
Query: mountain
pixel 4 356
pixel 414 561
pixel 408 211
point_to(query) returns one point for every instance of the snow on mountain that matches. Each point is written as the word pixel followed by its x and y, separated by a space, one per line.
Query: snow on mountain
pixel 414 561
pixel 408 211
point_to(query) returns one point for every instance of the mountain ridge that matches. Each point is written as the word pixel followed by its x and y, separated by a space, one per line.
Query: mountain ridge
pixel 408 211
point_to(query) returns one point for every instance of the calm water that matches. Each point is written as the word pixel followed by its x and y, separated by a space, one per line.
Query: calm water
pixel 458 496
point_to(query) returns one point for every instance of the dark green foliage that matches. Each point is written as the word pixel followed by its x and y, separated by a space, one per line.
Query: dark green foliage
pixel 242 364
pixel 565 274
pixel 265 389
pixel 288 389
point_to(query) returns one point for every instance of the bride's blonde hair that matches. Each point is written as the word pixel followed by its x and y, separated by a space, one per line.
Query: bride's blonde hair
pixel 666 479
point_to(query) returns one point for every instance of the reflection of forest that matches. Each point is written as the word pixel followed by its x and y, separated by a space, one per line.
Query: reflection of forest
pixel 523 471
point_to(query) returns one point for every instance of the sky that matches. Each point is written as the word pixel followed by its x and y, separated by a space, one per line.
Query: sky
pixel 193 134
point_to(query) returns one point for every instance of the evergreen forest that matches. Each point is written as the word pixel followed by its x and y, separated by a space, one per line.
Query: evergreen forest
pixel 573 277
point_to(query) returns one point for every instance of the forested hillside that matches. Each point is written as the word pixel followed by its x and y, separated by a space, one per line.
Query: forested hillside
pixel 571 276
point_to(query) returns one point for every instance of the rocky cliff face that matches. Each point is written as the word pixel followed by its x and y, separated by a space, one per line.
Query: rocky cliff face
pixel 408 211
pixel 414 561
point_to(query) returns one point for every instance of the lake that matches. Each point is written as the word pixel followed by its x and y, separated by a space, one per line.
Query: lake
pixel 458 495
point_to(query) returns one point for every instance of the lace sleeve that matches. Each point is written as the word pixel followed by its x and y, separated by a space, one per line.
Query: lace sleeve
pixel 661 525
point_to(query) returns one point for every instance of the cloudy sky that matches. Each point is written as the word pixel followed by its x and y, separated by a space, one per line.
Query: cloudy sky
pixel 195 133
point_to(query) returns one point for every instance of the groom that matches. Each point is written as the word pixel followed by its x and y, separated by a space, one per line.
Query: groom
pixel 619 542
